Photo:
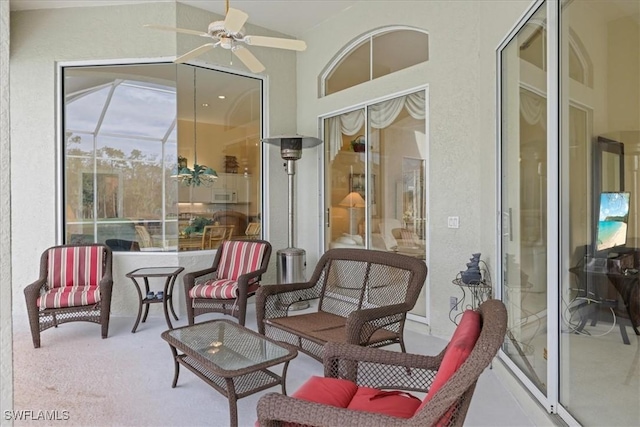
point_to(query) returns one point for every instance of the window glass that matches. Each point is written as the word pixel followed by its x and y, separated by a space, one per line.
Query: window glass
pixel 351 71
pixel 376 179
pixel 133 137
pixel 524 197
pixel 396 50
pixel 84 109
pixel 381 53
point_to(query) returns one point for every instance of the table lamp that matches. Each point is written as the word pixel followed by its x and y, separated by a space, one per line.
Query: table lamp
pixel 353 201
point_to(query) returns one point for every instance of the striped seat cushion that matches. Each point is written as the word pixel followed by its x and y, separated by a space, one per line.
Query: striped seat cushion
pixel 221 289
pixel 239 258
pixel 76 266
pixel 69 296
pixel 216 289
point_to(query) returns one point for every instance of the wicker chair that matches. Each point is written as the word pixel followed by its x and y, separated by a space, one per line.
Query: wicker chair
pixel 226 285
pixel 238 219
pixel 214 235
pixel 363 298
pixel 446 405
pixel 75 285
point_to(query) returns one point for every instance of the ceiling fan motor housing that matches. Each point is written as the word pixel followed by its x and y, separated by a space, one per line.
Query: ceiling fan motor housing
pixel 216 29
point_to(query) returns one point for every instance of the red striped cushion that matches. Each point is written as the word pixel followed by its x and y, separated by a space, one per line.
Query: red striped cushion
pixel 69 297
pixel 217 289
pixel 240 258
pixel 75 266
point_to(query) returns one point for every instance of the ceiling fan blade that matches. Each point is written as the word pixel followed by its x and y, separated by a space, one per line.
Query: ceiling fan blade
pixel 290 44
pixel 234 20
pixel 248 59
pixel 177 30
pixel 195 52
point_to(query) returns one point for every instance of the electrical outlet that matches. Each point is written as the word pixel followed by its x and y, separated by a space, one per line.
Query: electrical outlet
pixel 453 303
pixel 453 222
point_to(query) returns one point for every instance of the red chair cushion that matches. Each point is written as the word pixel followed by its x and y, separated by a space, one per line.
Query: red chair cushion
pixel 395 403
pixel 239 258
pixel 461 344
pixel 69 297
pixel 216 289
pixel 328 391
pixel 77 266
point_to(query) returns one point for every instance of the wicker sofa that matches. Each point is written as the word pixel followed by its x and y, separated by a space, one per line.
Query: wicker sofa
pixel 363 298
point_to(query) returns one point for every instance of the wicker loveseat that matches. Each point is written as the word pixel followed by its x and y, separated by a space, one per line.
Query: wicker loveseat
pixel 370 387
pixel 363 298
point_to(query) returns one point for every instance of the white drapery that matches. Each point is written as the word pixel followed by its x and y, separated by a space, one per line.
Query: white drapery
pixel 532 108
pixel 381 115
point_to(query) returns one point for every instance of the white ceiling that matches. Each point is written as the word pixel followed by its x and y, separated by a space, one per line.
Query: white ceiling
pixel 293 17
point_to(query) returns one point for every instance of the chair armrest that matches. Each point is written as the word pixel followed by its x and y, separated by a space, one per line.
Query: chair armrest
pixel 361 324
pixel 277 407
pixel 385 369
pixel 189 279
pixel 32 291
pixel 274 300
pixel 106 287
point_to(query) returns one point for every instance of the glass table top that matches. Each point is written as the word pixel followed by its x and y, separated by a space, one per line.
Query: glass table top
pixel 228 345
pixel 155 271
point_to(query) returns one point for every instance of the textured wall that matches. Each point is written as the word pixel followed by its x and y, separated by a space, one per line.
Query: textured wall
pixel 461 78
pixel 6 337
pixel 41 39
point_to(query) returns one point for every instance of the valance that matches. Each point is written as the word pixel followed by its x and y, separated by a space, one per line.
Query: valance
pixel 381 115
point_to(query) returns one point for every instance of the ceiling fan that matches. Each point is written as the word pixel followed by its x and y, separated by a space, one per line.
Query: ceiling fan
pixel 229 34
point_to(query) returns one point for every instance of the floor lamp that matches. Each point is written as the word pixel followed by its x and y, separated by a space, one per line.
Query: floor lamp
pixel 354 202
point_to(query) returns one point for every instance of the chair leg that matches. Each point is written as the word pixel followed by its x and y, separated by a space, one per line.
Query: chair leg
pixel 104 321
pixel 190 314
pixel 35 334
pixel 34 323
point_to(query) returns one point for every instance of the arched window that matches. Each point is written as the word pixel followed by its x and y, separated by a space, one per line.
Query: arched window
pixel 533 50
pixel 375 54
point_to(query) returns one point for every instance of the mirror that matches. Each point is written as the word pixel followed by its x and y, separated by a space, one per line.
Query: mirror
pixel 608 171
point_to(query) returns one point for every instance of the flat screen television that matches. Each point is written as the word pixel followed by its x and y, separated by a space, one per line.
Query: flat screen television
pixel 613 217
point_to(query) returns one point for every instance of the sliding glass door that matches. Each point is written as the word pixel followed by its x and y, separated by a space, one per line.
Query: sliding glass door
pixel 376 179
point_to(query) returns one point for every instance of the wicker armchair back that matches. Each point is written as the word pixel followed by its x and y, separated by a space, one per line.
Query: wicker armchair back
pixel 381 369
pixel 363 298
pixel 75 284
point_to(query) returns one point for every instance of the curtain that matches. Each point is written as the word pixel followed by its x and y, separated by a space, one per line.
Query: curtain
pixel 381 115
pixel 533 108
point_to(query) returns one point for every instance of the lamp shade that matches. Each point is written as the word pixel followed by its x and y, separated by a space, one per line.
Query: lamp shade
pixel 353 200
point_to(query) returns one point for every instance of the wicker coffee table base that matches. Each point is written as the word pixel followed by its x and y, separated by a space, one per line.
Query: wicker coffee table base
pixel 234 382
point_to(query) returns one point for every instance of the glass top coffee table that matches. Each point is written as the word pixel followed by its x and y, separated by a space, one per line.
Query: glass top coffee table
pixel 230 358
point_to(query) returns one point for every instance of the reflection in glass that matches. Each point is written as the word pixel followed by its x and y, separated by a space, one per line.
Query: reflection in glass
pixel 524 195
pixel 126 126
pixel 375 179
pixel 600 113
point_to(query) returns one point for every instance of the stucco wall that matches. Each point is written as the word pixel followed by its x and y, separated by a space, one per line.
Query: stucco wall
pixel 6 336
pixel 42 38
pixel 461 75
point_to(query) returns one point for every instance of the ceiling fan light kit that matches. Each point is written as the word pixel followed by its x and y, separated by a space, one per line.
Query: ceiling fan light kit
pixel 230 35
